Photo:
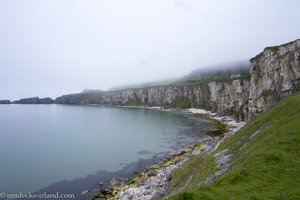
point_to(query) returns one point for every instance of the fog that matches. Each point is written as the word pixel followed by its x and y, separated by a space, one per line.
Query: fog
pixel 54 47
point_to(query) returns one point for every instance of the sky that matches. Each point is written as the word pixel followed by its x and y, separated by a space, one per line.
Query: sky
pixel 53 47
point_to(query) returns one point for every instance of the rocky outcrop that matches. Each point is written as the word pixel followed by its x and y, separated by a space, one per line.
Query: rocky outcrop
pixel 34 100
pixel 5 102
pixel 274 73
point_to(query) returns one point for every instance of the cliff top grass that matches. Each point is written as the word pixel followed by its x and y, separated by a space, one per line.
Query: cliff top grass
pixel 274 49
pixel 266 167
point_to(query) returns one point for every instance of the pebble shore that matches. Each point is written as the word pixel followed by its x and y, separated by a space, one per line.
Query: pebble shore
pixel 154 181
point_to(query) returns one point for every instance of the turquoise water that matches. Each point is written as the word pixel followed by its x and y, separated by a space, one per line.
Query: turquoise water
pixel 44 144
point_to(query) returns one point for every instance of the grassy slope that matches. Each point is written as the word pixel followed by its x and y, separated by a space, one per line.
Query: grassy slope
pixel 268 167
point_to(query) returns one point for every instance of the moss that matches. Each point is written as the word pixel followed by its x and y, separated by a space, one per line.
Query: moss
pixel 105 194
pixel 297 84
pixel 274 49
pixel 217 127
pixel 222 88
pixel 205 106
pixel 137 179
pixel 134 102
pixel 245 76
pixel 181 103
pixel 267 93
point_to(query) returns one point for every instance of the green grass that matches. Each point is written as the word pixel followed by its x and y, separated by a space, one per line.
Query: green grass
pixel 222 78
pixel 268 167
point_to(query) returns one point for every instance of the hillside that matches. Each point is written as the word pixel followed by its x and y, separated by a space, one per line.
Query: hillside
pixel 264 160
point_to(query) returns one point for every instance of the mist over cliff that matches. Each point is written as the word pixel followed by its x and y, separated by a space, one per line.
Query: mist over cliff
pixel 273 74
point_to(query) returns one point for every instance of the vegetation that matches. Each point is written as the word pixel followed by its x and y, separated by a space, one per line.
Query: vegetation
pixel 217 127
pixel 266 167
pixel 274 49
pixel 266 93
pixel 181 103
pixel 219 77
pixel 134 102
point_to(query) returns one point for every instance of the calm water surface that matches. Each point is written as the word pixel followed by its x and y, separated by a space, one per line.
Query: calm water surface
pixel 44 144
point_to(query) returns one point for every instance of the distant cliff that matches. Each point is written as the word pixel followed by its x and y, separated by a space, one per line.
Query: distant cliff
pixel 5 102
pixel 86 97
pixel 274 73
pixel 34 100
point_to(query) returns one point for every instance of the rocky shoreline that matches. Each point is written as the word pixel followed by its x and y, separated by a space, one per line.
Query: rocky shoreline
pixel 154 180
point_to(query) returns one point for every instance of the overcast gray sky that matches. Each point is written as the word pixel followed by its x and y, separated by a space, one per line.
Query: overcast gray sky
pixel 54 47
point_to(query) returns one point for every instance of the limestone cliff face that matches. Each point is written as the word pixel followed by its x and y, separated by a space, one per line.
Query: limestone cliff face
pixel 274 73
pixel 230 98
pixel 223 97
pixel 166 96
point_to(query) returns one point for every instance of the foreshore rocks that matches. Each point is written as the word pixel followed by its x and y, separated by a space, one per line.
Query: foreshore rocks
pixel 154 180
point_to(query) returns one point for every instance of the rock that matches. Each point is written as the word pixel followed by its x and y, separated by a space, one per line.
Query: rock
pixel 223 160
pixel 130 196
pixel 257 132
pixel 223 164
pixel 85 192
pixel 152 173
pixel 101 184
pixel 209 179
pixel 115 183
pixel 105 192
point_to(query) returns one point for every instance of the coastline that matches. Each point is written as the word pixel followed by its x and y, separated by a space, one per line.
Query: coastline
pixel 154 180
